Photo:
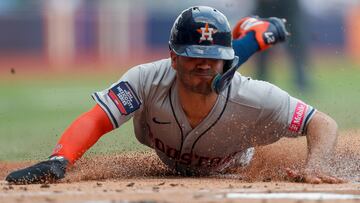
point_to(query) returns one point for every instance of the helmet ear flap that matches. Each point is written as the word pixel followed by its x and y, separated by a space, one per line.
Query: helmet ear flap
pixel 222 81
pixel 227 65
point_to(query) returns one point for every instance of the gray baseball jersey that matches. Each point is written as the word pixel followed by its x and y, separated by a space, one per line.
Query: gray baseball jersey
pixel 248 113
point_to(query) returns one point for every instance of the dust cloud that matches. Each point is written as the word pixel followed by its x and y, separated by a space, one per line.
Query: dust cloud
pixel 269 163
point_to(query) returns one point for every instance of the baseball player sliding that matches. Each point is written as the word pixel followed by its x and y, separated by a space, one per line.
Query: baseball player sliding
pixel 199 115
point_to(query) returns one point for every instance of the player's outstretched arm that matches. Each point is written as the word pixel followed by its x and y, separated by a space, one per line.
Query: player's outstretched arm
pixel 76 140
pixel 322 132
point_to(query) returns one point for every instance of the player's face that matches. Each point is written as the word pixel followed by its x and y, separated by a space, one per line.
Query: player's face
pixel 196 74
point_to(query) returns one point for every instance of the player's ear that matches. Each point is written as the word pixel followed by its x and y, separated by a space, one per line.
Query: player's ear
pixel 173 58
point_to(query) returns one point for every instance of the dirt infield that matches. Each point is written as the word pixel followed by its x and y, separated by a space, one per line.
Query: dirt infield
pixel 141 177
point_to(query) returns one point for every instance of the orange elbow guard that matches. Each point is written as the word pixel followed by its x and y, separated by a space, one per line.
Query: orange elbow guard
pixel 83 133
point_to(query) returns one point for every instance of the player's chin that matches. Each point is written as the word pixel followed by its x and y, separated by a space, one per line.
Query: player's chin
pixel 202 81
pixel 202 88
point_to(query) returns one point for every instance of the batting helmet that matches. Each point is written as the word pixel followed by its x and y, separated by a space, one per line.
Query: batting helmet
pixel 204 32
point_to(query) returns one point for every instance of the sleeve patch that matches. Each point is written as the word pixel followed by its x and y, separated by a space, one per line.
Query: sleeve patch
pixel 298 117
pixel 124 98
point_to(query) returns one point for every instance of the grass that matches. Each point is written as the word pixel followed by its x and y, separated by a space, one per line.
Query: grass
pixel 335 89
pixel 35 111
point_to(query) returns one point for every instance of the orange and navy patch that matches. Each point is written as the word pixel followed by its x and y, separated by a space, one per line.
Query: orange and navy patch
pixel 125 98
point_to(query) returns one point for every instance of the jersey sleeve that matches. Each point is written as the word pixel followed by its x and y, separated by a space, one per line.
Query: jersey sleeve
pixel 283 115
pixel 123 98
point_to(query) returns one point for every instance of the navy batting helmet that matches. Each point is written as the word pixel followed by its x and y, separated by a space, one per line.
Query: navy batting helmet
pixel 204 32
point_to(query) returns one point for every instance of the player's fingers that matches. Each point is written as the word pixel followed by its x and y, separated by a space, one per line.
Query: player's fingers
pixel 330 179
pixel 312 179
pixel 291 172
pixel 294 175
pixel 309 176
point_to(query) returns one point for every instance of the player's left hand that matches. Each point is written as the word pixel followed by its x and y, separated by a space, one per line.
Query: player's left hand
pixel 312 176
pixel 268 31
pixel 44 172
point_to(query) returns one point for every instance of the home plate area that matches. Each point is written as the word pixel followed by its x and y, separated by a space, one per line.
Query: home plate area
pixel 179 190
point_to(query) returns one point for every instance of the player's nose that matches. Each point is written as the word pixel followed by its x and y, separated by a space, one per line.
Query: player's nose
pixel 204 63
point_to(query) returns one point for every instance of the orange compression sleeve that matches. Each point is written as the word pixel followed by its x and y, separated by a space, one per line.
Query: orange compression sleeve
pixel 83 133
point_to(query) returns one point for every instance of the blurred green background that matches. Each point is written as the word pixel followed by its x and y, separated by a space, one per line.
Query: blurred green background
pixel 54 54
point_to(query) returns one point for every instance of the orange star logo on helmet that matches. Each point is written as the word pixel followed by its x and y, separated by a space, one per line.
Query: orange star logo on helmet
pixel 206 33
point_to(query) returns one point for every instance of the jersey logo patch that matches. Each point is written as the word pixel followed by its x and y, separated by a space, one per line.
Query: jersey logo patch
pixel 298 117
pixel 124 98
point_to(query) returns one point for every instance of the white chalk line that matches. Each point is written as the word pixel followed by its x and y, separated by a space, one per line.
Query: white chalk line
pixel 296 196
pixel 226 195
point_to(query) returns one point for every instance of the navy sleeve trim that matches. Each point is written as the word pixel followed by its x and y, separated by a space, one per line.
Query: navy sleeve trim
pixel 309 116
pixel 106 108
pixel 307 119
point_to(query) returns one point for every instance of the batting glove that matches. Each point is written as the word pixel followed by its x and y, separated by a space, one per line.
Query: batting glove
pixel 43 172
pixel 268 31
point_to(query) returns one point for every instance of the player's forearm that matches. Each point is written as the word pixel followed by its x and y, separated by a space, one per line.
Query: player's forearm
pixel 321 136
pixel 245 47
pixel 83 133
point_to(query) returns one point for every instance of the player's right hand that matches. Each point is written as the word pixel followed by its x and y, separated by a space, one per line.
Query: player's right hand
pixel 312 176
pixel 43 172
pixel 268 31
